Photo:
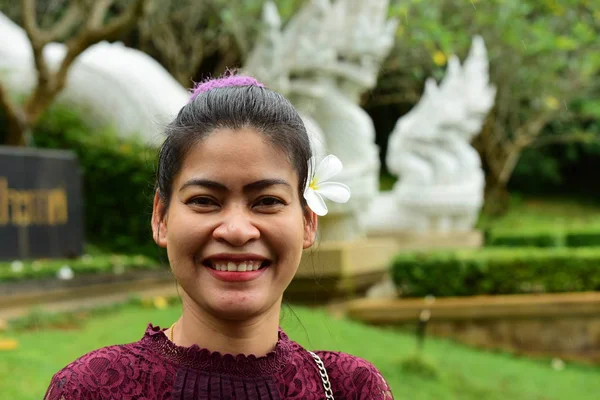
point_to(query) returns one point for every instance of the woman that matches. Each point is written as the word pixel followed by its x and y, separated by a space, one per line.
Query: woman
pixel 234 212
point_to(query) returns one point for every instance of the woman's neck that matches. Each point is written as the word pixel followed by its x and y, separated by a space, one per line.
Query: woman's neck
pixel 258 335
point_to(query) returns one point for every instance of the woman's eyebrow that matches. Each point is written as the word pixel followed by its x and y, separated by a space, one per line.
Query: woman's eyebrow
pixel 265 183
pixel 250 187
pixel 207 183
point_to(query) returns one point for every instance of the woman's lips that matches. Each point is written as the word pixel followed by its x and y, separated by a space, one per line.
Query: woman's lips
pixel 236 267
pixel 236 276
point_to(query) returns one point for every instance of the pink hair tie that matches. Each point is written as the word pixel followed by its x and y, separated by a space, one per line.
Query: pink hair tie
pixel 228 81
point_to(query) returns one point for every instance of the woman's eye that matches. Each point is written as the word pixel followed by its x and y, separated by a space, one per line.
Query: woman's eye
pixel 202 201
pixel 269 202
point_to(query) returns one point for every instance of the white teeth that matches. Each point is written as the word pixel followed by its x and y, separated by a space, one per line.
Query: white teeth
pixel 243 266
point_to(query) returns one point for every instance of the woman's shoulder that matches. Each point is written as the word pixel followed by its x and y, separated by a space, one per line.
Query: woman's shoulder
pixel 97 373
pixel 354 377
pixel 73 380
pixel 81 378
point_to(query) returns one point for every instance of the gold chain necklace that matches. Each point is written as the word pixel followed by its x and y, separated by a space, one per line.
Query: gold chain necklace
pixel 171 331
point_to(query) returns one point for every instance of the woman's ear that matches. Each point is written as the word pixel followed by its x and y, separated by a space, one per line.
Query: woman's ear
pixel 159 221
pixel 311 223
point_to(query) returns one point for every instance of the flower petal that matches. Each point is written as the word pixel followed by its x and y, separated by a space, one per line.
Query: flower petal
pixel 334 191
pixel 311 166
pixel 315 202
pixel 329 167
pixel 311 169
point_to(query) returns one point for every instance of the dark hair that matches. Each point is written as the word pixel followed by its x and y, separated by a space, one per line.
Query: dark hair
pixel 233 107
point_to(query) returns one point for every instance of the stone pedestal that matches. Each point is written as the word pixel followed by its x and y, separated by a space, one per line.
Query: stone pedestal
pixel 345 269
pixel 332 270
pixel 433 240
pixel 340 227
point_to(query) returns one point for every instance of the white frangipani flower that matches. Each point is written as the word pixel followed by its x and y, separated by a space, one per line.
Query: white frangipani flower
pixel 65 273
pixel 318 185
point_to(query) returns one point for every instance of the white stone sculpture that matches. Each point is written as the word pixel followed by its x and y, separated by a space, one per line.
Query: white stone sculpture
pixel 326 57
pixel 440 180
pixel 111 83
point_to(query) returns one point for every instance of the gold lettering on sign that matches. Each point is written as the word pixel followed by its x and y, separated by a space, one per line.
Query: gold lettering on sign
pixel 32 207
pixel 57 207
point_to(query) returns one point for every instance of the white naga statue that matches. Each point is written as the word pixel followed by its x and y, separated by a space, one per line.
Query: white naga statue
pixel 440 180
pixel 112 84
pixel 327 55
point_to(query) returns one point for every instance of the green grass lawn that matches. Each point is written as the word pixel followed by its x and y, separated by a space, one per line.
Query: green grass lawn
pixel 547 213
pixel 464 373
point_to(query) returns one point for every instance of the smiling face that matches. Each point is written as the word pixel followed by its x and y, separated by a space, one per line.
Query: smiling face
pixel 234 205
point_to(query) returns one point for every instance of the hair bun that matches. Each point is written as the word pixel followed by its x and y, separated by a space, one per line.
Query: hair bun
pixel 226 81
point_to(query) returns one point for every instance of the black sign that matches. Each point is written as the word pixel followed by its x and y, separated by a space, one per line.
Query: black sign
pixel 41 204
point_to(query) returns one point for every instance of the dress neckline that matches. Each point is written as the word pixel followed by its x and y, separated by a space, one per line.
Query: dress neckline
pixel 202 359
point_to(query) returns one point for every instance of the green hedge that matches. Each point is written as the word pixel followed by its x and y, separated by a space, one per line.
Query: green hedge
pixel 583 238
pixel 526 239
pixel 497 271
pixel 117 181
pixel 589 237
pixel 104 264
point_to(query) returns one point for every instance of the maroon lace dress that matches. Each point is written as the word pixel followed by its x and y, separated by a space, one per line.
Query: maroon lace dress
pixel 155 368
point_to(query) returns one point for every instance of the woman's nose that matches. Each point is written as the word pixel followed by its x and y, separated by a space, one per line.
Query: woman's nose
pixel 236 228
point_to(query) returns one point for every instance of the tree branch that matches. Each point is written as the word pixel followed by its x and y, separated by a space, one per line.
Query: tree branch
pixel 29 17
pixel 15 120
pixel 530 130
pixel 37 40
pixel 91 35
pixel 238 31
pixel 10 109
pixel 120 24
pixel 49 85
pixel 67 23
pixel 97 15
pixel 173 30
pixel 577 137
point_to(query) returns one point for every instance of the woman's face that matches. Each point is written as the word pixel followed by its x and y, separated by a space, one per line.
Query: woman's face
pixel 235 206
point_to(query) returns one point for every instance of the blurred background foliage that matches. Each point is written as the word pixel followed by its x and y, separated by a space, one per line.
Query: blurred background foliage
pixel 545 62
pixel 118 184
pixel 540 138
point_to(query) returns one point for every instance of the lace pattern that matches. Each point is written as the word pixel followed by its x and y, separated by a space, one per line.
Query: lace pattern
pixel 202 359
pixel 155 368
